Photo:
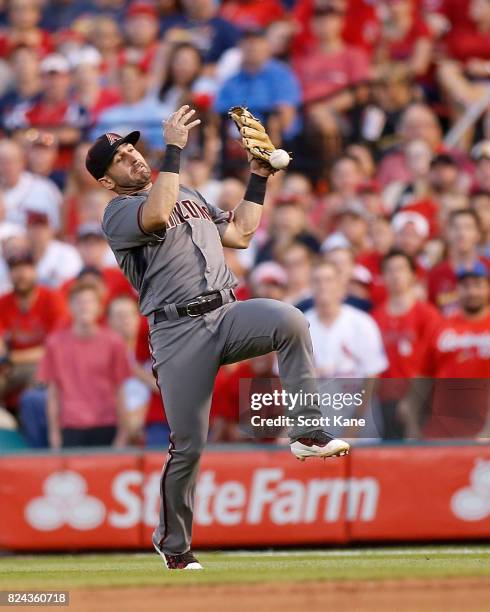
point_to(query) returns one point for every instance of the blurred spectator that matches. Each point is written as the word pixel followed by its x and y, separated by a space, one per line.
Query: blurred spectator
pixel 480 203
pixel 269 280
pixel 60 13
pixel 351 225
pixel 23 190
pixel 55 109
pixel 269 86
pixel 460 349
pixel 411 231
pixel 463 237
pixel 346 342
pixel 482 172
pixel 354 279
pixel 41 151
pixel 104 34
pixel 201 26
pixel 141 27
pixel 124 318
pixel 23 29
pixel 346 178
pixel 27 315
pixel 24 89
pixel 297 260
pixel 405 37
pixel 56 261
pixel 85 368
pixel 405 323
pixel 288 223
pixel 78 183
pixel 94 253
pixel 329 70
pixel 136 110
pixel 90 92
pixel 198 175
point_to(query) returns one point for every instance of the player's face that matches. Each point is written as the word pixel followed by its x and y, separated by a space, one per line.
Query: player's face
pixel 23 277
pixel 474 294
pixel 129 168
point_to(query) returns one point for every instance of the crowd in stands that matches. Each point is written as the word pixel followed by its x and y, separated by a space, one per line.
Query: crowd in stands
pixel 379 231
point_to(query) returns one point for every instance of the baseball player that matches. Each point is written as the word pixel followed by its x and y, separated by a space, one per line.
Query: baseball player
pixel 169 243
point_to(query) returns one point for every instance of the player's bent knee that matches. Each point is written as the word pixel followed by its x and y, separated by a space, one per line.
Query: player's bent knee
pixel 292 321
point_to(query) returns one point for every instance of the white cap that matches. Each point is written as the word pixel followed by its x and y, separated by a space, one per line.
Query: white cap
pixel 419 221
pixel 269 272
pixel 86 56
pixel 55 63
pixel 337 240
pixel 362 275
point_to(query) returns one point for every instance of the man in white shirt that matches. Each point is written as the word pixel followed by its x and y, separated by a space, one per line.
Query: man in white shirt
pixel 347 343
pixel 23 190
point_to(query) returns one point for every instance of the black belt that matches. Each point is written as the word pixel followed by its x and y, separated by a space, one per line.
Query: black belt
pixel 195 308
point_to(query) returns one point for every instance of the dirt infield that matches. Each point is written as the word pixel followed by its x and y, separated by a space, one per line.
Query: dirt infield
pixel 445 595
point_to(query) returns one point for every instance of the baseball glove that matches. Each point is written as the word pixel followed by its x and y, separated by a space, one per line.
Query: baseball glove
pixel 254 137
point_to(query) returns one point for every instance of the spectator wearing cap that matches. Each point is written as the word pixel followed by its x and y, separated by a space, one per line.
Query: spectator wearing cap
pixel 460 349
pixel 137 110
pixel 56 261
pixel 27 315
pixel 56 110
pixel 268 85
pixel 23 29
pixel 405 322
pixel 90 92
pixel 26 84
pixel 85 367
pixel 411 231
pixel 141 26
pixel 405 37
pixel 94 252
pixel 23 190
pixel 351 222
pixel 201 25
pixel 463 237
pixel 268 280
pixel 328 71
pixel 480 203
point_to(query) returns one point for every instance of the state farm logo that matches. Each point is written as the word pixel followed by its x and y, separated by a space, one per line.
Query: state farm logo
pixel 65 502
pixel 268 498
pixel 473 503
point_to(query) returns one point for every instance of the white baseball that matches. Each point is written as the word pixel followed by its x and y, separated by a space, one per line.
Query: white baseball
pixel 279 159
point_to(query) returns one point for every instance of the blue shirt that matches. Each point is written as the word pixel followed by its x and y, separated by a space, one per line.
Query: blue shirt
pixel 261 92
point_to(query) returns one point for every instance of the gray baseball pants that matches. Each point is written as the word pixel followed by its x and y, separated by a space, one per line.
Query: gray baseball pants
pixel 187 354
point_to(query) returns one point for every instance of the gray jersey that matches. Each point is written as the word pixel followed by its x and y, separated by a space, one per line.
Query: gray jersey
pixel 176 264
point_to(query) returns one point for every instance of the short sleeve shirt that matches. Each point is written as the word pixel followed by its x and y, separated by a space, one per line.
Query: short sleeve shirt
pixel 179 263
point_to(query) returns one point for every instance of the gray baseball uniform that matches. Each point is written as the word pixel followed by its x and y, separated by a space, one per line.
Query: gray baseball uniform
pixel 179 263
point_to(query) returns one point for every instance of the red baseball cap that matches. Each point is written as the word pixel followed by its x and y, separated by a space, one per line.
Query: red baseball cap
pixel 142 8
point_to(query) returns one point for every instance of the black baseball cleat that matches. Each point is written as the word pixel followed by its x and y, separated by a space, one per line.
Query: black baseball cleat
pixel 184 561
pixel 319 444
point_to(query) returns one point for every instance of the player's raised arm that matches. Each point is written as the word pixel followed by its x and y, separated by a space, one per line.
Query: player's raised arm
pixel 264 159
pixel 164 192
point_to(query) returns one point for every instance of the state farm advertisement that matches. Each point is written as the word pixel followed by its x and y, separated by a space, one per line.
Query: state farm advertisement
pixel 246 498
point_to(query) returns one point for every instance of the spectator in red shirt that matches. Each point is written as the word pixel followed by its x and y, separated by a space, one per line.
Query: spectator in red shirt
pixel 405 37
pixel 463 237
pixel 141 27
pixel 460 350
pixel 56 110
pixel 27 315
pixel 23 28
pixel 85 367
pixel 404 322
pixel 247 14
pixel 329 71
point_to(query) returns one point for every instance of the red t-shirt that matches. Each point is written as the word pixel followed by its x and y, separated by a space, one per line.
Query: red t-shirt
pixel 42 43
pixel 322 75
pixel 28 329
pixel 404 336
pixel 459 349
pixel 115 281
pixel 442 285
pixel 88 373
pixel 401 50
pixel 464 44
